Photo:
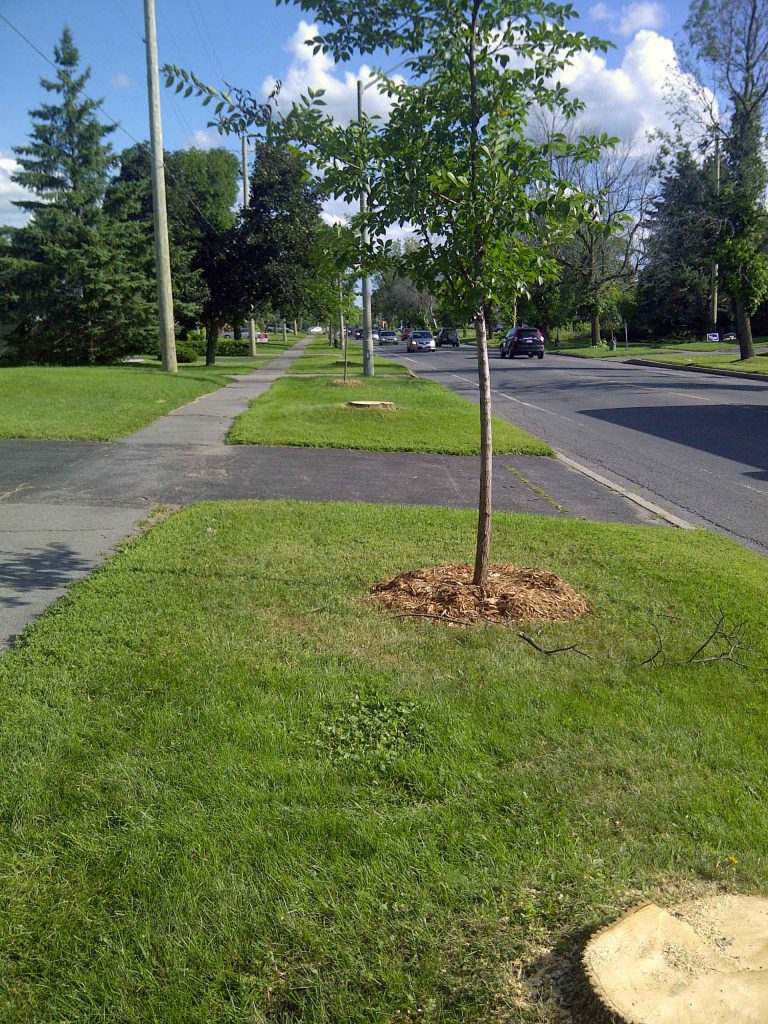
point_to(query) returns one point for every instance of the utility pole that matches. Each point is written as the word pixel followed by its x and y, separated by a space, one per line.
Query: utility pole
pixel 162 253
pixel 713 287
pixel 246 202
pixel 368 368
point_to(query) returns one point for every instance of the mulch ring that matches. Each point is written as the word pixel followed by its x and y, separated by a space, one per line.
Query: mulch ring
pixel 513 595
pixel 341 383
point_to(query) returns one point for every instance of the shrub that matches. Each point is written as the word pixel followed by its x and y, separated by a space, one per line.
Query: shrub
pixel 185 352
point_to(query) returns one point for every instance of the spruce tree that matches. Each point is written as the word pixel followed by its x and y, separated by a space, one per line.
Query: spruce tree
pixel 70 288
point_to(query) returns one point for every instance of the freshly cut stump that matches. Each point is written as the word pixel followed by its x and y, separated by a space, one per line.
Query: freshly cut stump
pixel 513 595
pixel 371 405
pixel 701 962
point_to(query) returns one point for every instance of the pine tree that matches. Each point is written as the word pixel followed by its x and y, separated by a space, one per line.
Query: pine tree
pixel 70 288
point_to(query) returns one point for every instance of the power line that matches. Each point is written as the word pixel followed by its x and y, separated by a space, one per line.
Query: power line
pixel 112 121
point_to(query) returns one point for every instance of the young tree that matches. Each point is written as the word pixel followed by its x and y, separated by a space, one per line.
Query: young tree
pixel 453 159
pixel 70 286
pixel 730 39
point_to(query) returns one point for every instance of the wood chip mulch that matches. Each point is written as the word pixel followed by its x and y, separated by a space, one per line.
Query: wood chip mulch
pixel 341 383
pixel 513 595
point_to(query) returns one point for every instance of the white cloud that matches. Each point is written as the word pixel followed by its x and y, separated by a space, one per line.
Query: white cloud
pixel 631 98
pixel 204 138
pixel 318 71
pixel 9 190
pixel 600 12
pixel 644 15
pixel 122 81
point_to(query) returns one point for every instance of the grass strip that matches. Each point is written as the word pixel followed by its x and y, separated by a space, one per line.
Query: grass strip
pixel 233 791
pixel 427 418
pixel 320 357
pixel 102 403
pixel 621 352
pixel 722 363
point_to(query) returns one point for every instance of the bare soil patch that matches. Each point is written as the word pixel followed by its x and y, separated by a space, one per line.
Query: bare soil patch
pixel 513 595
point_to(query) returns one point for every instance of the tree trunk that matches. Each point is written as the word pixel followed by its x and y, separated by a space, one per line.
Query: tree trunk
pixel 483 551
pixel 237 330
pixel 595 321
pixel 211 342
pixel 744 330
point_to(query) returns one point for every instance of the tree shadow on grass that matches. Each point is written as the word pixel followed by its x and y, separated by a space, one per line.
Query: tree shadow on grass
pixel 47 568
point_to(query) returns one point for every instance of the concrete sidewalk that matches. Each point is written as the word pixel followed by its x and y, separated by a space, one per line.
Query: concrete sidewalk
pixel 59 520
pixel 64 504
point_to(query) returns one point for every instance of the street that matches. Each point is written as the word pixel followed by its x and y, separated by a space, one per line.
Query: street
pixel 695 444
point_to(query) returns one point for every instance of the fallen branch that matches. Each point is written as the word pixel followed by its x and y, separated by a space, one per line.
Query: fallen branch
pixel 659 648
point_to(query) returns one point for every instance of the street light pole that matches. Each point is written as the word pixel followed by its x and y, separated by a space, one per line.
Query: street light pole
pixel 160 216
pixel 246 201
pixel 368 367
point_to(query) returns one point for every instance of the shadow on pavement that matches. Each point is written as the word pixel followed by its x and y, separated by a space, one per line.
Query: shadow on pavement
pixel 735 432
pixel 48 568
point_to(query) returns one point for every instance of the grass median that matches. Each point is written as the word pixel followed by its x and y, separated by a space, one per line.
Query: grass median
pixel 722 363
pixel 234 791
pixel 427 418
pixel 320 357
pixel 585 351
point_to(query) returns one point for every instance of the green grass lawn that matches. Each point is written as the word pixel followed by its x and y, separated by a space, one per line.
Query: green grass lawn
pixel 726 363
pixel 603 352
pixel 233 791
pixel 320 357
pixel 101 403
pixel 428 418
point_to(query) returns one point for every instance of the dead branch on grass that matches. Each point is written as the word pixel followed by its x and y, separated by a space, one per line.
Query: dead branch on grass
pixel 572 648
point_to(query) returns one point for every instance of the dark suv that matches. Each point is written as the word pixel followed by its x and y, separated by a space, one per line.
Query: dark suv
pixel 522 341
pixel 447 336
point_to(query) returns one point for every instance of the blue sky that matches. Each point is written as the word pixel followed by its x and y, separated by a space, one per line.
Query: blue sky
pixel 249 41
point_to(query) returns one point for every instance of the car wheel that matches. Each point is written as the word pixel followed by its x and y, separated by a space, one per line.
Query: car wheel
pixel 511 355
pixel 541 355
pixel 530 355
pixel 502 354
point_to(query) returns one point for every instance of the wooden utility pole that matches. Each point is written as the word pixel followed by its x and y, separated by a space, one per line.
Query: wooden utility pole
pixel 368 368
pixel 713 288
pixel 246 202
pixel 162 252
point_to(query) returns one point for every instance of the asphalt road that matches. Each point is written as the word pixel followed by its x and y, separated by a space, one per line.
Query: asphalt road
pixel 695 444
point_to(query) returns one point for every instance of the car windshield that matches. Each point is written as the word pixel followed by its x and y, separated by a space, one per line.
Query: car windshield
pixel 422 334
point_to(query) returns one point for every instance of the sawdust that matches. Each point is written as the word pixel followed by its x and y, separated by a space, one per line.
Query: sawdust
pixel 513 595
pixel 341 383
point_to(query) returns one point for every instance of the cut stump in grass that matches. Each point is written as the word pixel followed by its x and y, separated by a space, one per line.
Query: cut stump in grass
pixel 701 962
pixel 371 405
pixel 513 595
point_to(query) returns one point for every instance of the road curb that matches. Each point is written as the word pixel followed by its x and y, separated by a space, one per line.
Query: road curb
pixel 698 369
pixel 649 506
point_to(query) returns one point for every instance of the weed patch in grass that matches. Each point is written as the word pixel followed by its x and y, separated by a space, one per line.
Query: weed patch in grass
pixel 427 418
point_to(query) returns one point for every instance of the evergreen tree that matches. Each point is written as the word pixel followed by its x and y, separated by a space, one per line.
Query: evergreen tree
pixel 682 231
pixel 70 288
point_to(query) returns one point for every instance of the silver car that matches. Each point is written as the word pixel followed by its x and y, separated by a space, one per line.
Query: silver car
pixel 421 341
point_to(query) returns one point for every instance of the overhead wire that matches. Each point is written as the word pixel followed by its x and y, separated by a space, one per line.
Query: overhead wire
pixel 99 105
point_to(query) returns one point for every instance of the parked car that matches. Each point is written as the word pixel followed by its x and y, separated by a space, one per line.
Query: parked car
pixel 730 336
pixel 387 337
pixel 228 333
pixel 447 336
pixel 522 341
pixel 421 341
pixel 316 330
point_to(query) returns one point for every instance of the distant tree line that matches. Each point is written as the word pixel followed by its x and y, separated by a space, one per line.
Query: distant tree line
pixel 77 282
